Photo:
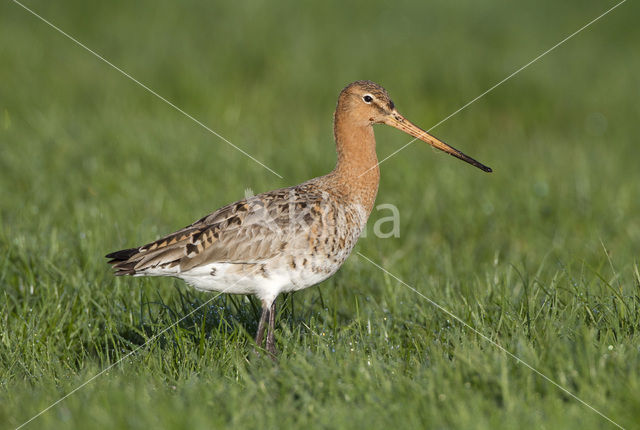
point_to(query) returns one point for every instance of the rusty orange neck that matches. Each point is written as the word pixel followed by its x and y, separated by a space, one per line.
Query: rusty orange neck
pixel 356 173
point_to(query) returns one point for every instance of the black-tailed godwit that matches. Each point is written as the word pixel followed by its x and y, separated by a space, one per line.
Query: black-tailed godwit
pixel 291 238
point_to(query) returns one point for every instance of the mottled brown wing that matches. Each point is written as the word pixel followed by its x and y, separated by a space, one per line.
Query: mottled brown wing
pixel 247 231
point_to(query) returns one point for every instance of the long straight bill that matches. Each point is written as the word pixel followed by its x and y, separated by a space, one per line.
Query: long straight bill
pixel 401 123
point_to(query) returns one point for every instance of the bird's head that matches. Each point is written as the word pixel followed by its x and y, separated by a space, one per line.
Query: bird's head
pixel 366 103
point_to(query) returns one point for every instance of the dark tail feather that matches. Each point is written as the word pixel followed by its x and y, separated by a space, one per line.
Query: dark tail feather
pixel 120 261
pixel 123 254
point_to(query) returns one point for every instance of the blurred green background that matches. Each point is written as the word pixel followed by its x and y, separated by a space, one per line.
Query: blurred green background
pixel 541 256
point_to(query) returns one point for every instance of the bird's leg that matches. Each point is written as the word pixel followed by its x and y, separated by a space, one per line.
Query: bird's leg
pixel 262 324
pixel 271 342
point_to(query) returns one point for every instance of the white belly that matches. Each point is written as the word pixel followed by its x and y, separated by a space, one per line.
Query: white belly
pixel 264 280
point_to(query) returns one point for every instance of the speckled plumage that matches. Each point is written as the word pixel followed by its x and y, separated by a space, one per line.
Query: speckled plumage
pixel 282 240
pixel 286 239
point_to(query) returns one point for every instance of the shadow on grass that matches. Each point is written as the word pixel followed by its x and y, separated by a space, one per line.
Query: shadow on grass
pixel 194 326
pixel 187 324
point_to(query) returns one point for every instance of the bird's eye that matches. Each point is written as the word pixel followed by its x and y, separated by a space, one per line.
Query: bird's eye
pixel 367 98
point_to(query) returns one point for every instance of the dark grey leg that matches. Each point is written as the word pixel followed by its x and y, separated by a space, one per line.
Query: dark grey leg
pixel 262 325
pixel 271 341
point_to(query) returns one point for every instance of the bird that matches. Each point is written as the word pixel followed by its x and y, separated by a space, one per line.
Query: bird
pixel 290 238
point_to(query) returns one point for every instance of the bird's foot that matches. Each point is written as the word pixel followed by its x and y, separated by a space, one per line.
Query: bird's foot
pixel 272 351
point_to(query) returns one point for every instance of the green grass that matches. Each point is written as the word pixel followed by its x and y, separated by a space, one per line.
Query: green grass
pixel 542 255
